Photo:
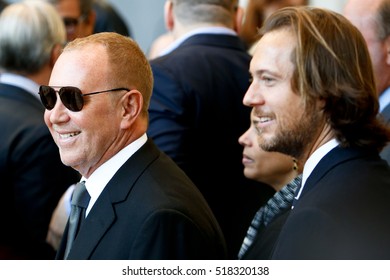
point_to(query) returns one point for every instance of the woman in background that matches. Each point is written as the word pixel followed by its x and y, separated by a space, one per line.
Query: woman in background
pixel 279 171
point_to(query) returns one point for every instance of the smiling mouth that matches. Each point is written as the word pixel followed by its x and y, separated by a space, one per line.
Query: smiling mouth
pixel 264 119
pixel 68 135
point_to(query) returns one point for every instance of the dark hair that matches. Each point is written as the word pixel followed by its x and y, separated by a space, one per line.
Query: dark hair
pixel 383 20
pixel 332 63
pixel 255 14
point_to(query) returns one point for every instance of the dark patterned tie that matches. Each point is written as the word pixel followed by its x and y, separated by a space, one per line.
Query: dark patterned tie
pixel 80 200
pixel 280 201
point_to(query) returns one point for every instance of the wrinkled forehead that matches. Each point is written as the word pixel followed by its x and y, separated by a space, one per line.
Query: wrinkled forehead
pixel 80 67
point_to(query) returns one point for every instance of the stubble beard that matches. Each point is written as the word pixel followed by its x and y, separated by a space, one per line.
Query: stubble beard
pixel 294 138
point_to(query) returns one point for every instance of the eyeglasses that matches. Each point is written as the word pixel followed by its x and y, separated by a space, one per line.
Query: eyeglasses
pixel 72 22
pixel 71 97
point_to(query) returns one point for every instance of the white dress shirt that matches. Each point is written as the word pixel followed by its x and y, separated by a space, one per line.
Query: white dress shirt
pixel 101 176
pixel 384 99
pixel 201 30
pixel 313 160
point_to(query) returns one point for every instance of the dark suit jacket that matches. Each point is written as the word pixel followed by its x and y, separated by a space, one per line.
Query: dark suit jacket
pixel 109 20
pixel 343 211
pixel 33 177
pixel 148 210
pixel 197 116
pixel 264 243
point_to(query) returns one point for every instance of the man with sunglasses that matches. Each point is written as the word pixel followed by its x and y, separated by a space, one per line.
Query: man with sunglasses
pixel 78 16
pixel 141 206
pixel 81 18
pixel 33 177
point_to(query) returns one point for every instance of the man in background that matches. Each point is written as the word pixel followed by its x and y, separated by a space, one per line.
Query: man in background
pixel 372 18
pixel 78 15
pixel 33 177
pixel 196 110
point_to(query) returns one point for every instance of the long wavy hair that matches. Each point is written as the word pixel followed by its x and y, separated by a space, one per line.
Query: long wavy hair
pixel 332 63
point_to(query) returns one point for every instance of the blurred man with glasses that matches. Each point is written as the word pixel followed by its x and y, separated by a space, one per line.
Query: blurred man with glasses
pixel 78 15
pixel 33 177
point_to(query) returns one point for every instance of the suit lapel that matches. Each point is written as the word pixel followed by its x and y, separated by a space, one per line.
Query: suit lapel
pixel 102 214
pixel 99 220
pixel 335 157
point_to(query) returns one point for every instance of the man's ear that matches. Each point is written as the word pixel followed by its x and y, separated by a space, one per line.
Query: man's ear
pixel 55 53
pixel 239 18
pixel 132 103
pixel 168 15
pixel 90 23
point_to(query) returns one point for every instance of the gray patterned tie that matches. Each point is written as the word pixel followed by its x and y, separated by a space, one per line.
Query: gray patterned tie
pixel 280 201
pixel 80 200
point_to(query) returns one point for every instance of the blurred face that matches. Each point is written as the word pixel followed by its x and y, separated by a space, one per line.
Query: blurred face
pixel 361 13
pixel 87 138
pixel 274 169
pixel 283 124
pixel 77 25
pixel 297 2
pixel 276 5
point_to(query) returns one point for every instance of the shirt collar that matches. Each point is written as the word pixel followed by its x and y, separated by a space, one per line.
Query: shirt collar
pixel 314 159
pixel 21 82
pixel 101 176
pixel 384 99
pixel 202 30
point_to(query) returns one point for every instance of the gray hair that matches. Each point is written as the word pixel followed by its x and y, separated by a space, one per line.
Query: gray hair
pixel 28 32
pixel 205 11
pixel 383 20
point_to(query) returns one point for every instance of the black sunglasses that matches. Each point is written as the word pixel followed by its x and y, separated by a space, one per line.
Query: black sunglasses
pixel 71 97
pixel 72 22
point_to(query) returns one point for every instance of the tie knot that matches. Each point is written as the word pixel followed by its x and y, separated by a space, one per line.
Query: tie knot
pixel 80 195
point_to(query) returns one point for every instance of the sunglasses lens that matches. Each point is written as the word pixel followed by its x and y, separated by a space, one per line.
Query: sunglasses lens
pixel 71 22
pixel 48 97
pixel 72 98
